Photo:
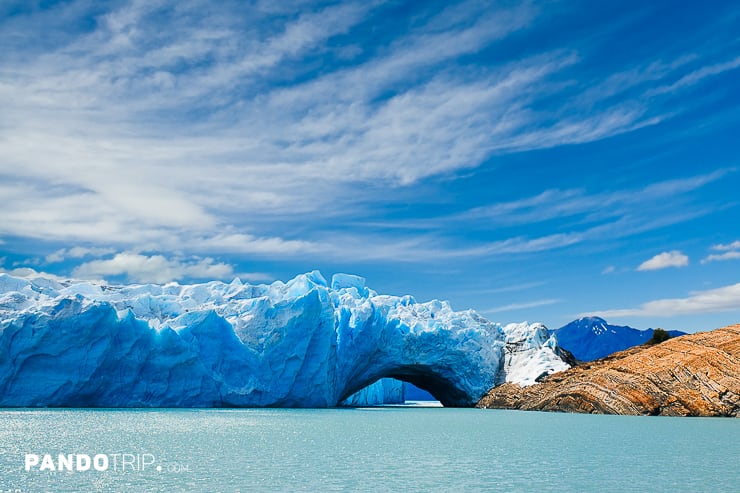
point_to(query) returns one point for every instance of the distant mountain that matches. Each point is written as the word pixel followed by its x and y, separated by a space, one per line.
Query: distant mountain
pixel 591 338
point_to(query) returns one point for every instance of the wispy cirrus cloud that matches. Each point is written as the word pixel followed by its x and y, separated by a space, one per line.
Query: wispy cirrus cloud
pixel 260 131
pixel 715 257
pixel 697 76
pixel 521 306
pixel 592 217
pixel 728 251
pixel 726 298
pixel 554 204
pixel 724 247
pixel 77 252
pixel 508 288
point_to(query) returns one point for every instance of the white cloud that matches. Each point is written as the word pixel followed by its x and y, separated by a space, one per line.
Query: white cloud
pixel 730 251
pixel 27 262
pixel 553 203
pixel 723 247
pixel 722 299
pixel 424 248
pixel 521 306
pixel 255 276
pixel 155 268
pixel 56 256
pixel 77 252
pixel 195 140
pixel 29 273
pixel 246 243
pixel 732 255
pixel 674 258
pixel 609 269
pixel 697 76
pixel 123 162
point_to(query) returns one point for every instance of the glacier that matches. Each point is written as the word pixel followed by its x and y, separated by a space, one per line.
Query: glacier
pixel 531 353
pixel 303 343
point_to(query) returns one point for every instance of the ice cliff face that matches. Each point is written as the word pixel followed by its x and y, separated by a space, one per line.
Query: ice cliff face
pixel 304 343
pixel 531 353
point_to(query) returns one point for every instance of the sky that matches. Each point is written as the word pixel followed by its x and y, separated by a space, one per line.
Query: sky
pixel 535 161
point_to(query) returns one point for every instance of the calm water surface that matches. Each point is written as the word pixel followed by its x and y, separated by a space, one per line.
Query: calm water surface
pixel 375 449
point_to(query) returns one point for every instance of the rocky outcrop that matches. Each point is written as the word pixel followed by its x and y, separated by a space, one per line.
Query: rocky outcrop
pixel 692 375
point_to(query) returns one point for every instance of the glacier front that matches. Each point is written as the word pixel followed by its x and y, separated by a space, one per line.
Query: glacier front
pixel 304 343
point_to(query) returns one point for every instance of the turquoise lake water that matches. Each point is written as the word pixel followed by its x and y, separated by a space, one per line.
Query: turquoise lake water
pixel 371 449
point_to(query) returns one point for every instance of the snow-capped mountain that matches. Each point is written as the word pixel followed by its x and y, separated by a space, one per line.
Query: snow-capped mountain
pixel 591 338
pixel 304 343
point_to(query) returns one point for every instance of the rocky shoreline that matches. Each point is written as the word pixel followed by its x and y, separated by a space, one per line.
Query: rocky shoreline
pixel 691 375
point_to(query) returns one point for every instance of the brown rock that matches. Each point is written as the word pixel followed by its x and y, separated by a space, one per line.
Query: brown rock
pixel 691 375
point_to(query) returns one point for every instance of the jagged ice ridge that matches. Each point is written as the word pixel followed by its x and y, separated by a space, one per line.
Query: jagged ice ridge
pixel 304 343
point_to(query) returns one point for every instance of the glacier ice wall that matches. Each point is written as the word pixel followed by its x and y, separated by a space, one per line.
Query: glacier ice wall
pixel 531 353
pixel 304 343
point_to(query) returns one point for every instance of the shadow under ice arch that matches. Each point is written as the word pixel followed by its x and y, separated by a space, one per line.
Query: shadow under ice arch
pixel 442 389
pixel 426 378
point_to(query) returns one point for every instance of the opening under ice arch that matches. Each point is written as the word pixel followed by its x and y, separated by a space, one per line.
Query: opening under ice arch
pixel 391 388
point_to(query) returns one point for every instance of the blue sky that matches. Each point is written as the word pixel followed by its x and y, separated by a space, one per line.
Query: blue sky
pixel 532 160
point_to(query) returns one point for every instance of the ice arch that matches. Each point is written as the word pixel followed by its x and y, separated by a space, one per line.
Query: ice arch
pixel 383 392
pixel 425 378
pixel 304 343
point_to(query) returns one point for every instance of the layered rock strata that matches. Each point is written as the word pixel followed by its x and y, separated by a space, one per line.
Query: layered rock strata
pixel 692 375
